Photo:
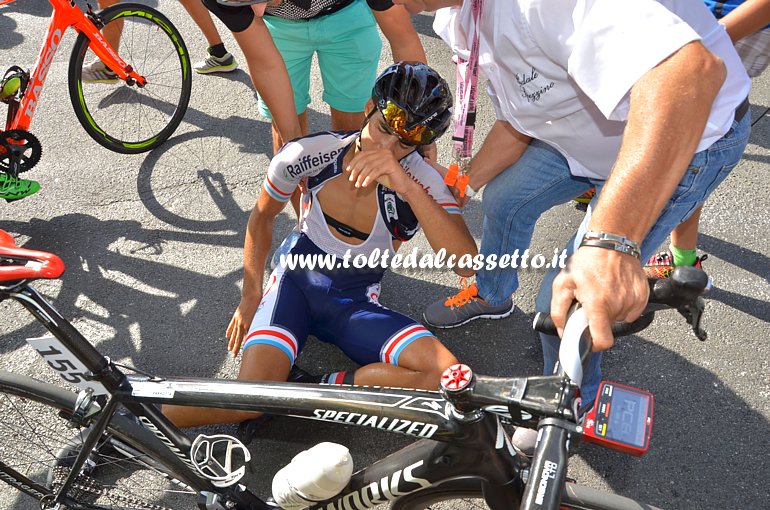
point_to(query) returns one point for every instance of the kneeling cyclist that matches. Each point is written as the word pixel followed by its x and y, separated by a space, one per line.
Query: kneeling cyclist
pixel 366 191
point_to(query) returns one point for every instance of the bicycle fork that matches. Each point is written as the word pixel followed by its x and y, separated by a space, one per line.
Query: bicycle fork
pixel 549 471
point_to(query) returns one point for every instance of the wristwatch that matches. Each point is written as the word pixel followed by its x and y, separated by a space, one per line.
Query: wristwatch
pixel 611 242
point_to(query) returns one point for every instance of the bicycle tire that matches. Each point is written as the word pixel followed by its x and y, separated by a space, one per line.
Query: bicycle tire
pixel 466 494
pixel 36 441
pixel 132 119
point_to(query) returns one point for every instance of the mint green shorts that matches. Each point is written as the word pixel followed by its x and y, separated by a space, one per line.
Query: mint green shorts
pixel 348 46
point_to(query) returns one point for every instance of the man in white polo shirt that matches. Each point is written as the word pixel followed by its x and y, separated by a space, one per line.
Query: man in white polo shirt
pixel 644 99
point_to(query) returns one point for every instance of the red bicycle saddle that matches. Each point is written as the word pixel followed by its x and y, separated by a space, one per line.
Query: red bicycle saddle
pixel 22 264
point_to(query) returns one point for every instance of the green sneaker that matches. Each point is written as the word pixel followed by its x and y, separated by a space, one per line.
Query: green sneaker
pixel 15 188
pixel 212 64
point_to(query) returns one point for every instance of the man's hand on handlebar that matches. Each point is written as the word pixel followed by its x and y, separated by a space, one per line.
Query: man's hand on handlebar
pixel 610 285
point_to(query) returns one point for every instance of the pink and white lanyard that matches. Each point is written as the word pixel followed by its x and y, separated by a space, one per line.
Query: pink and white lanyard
pixel 467 79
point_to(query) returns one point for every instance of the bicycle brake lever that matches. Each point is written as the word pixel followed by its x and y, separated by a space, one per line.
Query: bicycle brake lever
pixel 93 16
pixel 693 313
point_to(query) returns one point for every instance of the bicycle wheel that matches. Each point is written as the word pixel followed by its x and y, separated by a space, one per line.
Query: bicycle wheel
pixel 127 118
pixel 36 442
pixel 466 494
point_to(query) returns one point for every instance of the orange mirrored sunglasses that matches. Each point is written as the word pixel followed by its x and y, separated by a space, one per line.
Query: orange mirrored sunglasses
pixel 395 116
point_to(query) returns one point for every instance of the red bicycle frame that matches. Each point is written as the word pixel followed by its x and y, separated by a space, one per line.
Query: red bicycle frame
pixel 65 14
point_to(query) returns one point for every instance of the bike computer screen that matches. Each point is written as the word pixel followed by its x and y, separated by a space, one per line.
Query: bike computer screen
pixel 621 418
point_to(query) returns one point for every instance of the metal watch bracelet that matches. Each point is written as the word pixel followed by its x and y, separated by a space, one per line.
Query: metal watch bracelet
pixel 611 242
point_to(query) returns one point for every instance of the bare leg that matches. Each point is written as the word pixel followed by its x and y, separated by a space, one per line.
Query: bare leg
pixel 113 30
pixel 259 363
pixel 201 16
pixel 685 235
pixel 346 121
pixel 269 75
pixel 420 366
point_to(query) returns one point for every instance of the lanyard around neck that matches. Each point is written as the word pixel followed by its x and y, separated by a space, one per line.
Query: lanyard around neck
pixel 467 80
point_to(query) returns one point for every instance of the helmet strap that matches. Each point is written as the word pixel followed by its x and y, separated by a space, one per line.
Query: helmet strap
pixel 366 121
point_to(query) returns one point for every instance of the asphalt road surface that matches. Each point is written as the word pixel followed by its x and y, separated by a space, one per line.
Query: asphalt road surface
pixel 152 245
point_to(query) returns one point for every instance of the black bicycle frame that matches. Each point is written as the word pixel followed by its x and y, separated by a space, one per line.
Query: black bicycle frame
pixel 456 441
pixel 451 444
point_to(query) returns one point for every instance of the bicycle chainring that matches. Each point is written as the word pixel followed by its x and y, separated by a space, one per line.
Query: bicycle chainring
pixel 20 151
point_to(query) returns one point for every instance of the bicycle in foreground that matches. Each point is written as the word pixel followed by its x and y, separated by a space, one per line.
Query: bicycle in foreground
pixel 108 446
pixel 133 108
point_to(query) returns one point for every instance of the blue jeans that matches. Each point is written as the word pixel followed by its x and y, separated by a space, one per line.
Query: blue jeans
pixel 516 198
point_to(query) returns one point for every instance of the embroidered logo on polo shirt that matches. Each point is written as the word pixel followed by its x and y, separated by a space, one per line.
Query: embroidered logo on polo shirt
pixel 532 89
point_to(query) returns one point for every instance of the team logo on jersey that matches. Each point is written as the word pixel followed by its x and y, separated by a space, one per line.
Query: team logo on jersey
pixel 306 163
pixel 373 293
pixel 390 207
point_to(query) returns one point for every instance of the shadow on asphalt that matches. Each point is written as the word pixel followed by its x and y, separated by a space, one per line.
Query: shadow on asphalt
pixel 699 420
pixel 163 304
pixel 703 438
pixel 13 34
pixel 129 295
pixel 746 259
pixel 11 37
pixel 41 8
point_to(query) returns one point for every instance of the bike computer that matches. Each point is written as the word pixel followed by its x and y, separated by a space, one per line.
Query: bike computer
pixel 621 419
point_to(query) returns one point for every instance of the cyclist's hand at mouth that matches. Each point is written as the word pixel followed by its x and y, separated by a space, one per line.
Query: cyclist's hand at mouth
pixel 379 165
pixel 239 324
pixel 609 284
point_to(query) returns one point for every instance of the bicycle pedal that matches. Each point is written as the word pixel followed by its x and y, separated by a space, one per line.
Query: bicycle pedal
pixel 215 458
pixel 13 83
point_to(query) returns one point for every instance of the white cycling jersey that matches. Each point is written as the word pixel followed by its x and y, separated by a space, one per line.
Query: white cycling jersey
pixel 318 158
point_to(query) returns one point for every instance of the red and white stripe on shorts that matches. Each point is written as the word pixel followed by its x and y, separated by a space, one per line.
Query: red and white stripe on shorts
pixel 397 343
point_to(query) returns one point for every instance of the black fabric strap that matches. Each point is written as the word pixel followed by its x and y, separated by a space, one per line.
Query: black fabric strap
pixel 345 230
pixel 470 119
pixel 742 110
pixel 609 245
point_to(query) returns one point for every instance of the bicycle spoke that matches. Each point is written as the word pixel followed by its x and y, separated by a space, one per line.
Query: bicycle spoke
pixel 140 118
pixel 40 446
pixel 162 62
